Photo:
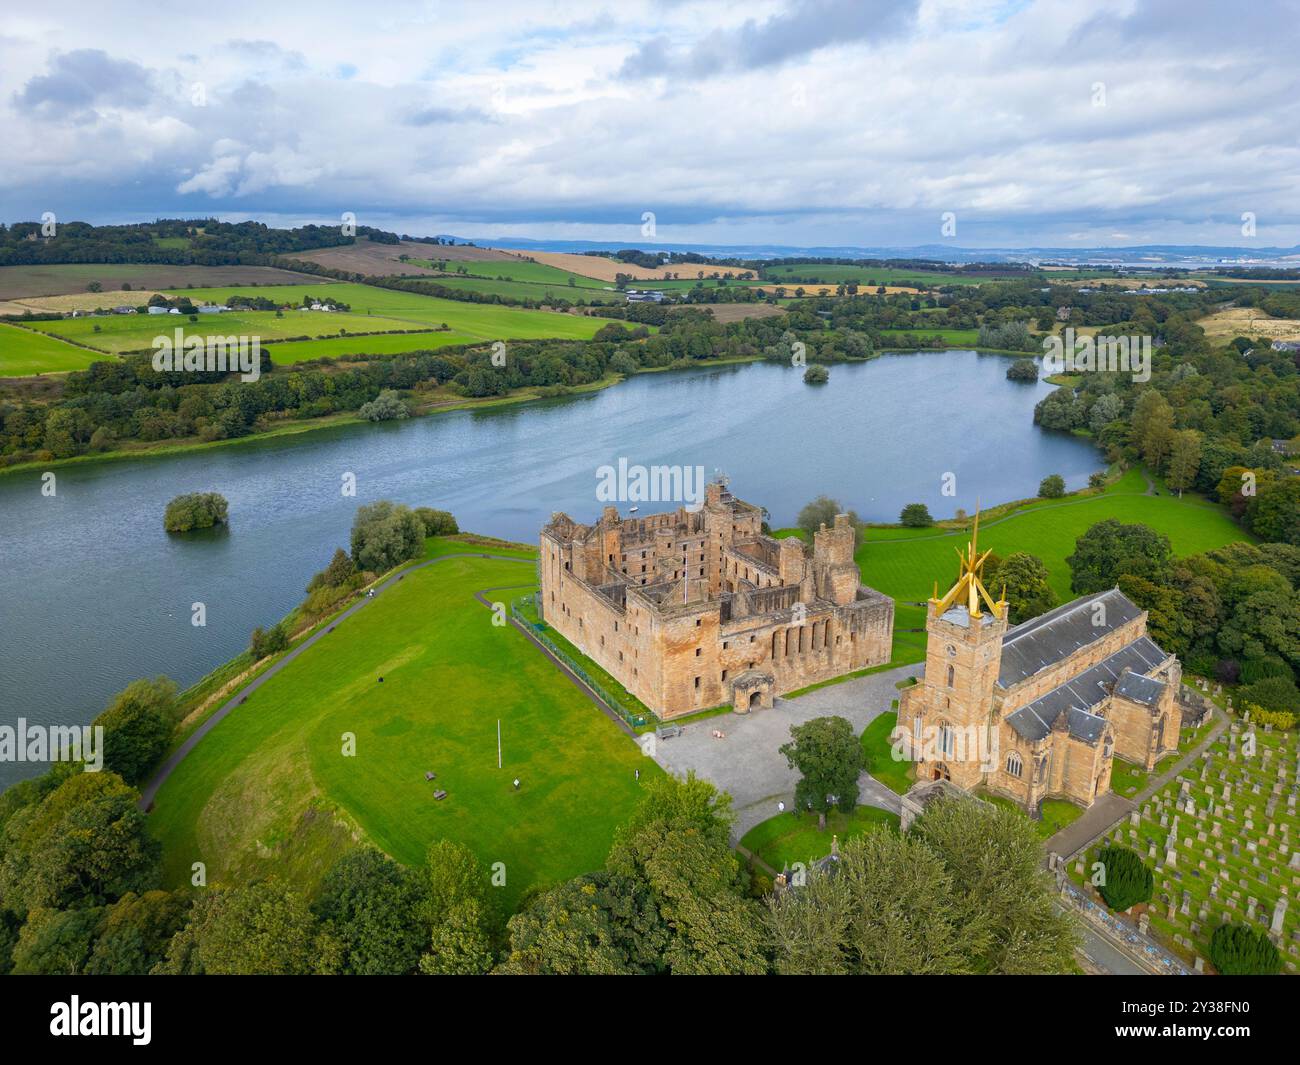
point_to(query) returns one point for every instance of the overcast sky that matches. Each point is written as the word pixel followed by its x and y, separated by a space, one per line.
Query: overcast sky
pixel 804 122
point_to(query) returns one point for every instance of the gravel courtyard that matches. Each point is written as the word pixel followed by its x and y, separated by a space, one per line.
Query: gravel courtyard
pixel 748 764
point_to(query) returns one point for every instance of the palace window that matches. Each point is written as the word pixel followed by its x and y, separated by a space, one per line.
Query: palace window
pixel 1014 765
pixel 952 675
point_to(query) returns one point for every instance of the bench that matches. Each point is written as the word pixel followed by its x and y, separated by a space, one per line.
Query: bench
pixel 440 795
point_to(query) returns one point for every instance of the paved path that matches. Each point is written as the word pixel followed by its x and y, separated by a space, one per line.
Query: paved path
pixel 748 764
pixel 150 790
pixel 1102 815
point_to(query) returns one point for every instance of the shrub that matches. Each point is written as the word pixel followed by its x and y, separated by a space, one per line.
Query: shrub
pixel 1272 693
pixel 1127 879
pixel 1051 487
pixel 1282 719
pixel 198 510
pixel 1239 950
pixel 137 727
pixel 385 407
pixel 1256 669
pixel 267 642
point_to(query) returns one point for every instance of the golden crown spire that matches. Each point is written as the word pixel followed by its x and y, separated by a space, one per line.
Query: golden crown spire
pixel 970 587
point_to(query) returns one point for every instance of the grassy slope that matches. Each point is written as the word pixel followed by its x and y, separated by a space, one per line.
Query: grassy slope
pixel 23 353
pixel 261 790
pixel 906 563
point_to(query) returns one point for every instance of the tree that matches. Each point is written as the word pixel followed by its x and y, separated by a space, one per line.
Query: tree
pixel 384 535
pixel 56 942
pixel 374 909
pixel 1274 513
pixel 1028 592
pixel 135 932
pixel 138 725
pixel 1152 425
pixel 85 843
pixel 437 522
pixel 1272 693
pixel 1109 549
pixel 459 910
pixel 198 510
pixel 1107 408
pixel 267 642
pixel 816 375
pixel 1003 902
pixel 264 928
pixel 1023 370
pixel 823 511
pixel 677 844
pixel 887 908
pixel 1239 950
pixel 1126 879
pixel 916 516
pixel 829 759
pixel 340 571
pixel 1184 460
pixel 1052 486
pixel 601 924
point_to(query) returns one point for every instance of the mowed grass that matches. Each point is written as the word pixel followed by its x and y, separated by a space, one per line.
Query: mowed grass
pixel 956 337
pixel 269 787
pixel 791 837
pixel 906 565
pixel 23 353
pixel 480 321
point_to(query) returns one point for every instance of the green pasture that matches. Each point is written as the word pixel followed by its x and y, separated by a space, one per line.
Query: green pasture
pixel 23 352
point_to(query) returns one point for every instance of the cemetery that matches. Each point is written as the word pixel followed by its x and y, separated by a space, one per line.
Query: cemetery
pixel 1221 840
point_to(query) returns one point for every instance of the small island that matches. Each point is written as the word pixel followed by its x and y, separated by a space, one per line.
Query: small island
pixel 816 375
pixel 1023 370
pixel 197 510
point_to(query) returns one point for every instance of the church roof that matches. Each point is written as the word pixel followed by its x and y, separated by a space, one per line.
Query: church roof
pixel 1077 696
pixel 1047 639
pixel 1140 689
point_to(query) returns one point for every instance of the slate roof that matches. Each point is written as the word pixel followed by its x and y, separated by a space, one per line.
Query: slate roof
pixel 1140 689
pixel 1049 638
pixel 1077 696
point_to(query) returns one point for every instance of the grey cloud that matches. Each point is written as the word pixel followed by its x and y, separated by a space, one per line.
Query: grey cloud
pixel 79 80
pixel 808 26
pixel 438 116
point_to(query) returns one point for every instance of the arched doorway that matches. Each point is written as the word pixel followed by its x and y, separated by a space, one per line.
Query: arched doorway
pixel 941 772
pixel 755 699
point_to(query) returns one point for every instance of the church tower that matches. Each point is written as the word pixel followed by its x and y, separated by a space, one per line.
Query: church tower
pixel 949 718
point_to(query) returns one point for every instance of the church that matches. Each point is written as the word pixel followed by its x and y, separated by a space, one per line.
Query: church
pixel 1038 710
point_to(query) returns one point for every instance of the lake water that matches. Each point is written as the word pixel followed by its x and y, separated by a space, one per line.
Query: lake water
pixel 96 594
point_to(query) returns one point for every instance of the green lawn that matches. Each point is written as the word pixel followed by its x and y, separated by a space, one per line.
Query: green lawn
pixel 480 321
pixel 877 747
pixel 1056 813
pixel 956 337
pixel 905 564
pixel 1126 778
pixel 23 353
pixel 791 837
pixel 269 788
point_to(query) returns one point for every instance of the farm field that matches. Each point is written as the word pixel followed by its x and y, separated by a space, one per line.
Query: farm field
pixel 906 566
pixel 62 279
pixel 603 269
pixel 134 332
pixel 514 270
pixel 295 351
pixel 378 260
pixel 834 273
pixel 591 292
pixel 269 787
pixel 481 321
pixel 23 353
pixel 1247 321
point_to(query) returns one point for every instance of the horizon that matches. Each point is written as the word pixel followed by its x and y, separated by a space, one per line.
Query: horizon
pixel 966 124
